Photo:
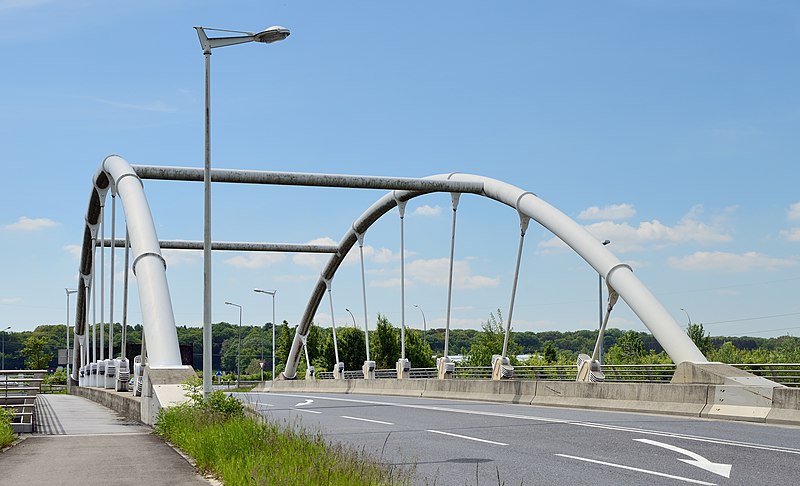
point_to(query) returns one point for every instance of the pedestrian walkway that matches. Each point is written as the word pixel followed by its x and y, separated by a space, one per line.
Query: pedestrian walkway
pixel 79 442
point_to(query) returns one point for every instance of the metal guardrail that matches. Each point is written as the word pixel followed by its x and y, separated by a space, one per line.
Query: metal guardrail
pixel 18 390
pixel 784 373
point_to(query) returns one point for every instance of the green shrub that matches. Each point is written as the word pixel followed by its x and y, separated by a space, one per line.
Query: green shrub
pixel 6 433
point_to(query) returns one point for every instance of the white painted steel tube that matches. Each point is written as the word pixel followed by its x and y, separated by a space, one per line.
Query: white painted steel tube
pixel 158 318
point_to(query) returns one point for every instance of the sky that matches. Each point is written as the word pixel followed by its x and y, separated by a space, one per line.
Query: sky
pixel 669 128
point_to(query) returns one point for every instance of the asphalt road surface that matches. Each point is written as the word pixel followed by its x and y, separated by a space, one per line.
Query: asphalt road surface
pixel 456 442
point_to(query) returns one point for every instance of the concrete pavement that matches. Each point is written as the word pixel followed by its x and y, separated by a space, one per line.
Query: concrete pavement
pixel 79 442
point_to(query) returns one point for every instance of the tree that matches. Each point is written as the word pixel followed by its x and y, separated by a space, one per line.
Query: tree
pixel 418 351
pixel 384 344
pixel 489 342
pixel 550 353
pixel 352 348
pixel 36 358
pixel 700 338
pixel 629 349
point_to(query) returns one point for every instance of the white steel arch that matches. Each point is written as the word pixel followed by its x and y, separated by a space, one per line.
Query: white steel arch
pixel 158 321
pixel 617 274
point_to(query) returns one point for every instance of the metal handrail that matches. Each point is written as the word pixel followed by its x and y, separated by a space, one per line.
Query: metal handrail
pixel 784 373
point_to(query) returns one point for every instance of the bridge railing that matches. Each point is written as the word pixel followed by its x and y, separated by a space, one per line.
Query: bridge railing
pixel 784 373
pixel 18 390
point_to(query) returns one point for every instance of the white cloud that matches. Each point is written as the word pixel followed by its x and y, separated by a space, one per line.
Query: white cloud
pixel 255 260
pixel 25 223
pixel 794 212
pixel 653 234
pixel 386 284
pixel 181 257
pixel 435 272
pixel 614 211
pixel 74 250
pixel 730 262
pixel 316 260
pixel 428 210
pixel 12 300
pixel 791 234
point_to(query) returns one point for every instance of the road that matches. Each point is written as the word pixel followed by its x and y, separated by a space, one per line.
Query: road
pixel 456 442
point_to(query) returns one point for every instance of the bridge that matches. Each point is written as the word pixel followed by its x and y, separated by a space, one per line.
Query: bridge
pixel 454 408
pixel 158 370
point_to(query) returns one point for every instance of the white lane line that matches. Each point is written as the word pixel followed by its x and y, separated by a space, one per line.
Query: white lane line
pixel 306 411
pixel 467 437
pixel 658 433
pixel 367 420
pixel 629 468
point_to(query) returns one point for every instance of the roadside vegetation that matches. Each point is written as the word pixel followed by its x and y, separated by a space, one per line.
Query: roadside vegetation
pixel 241 450
pixel 6 433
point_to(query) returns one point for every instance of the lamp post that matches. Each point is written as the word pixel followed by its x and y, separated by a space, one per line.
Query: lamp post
pixel 351 315
pixel 267 36
pixel 600 293
pixel 688 319
pixel 424 324
pixel 238 346
pixel 272 293
pixel 69 292
pixel 3 366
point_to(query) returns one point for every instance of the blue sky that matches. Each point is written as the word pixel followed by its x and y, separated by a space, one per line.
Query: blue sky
pixel 669 128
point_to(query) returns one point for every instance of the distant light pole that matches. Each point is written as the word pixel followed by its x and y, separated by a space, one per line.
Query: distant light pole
pixel 267 36
pixel 3 366
pixel 424 324
pixel 69 292
pixel 238 346
pixel 600 292
pixel 351 315
pixel 272 293
pixel 688 319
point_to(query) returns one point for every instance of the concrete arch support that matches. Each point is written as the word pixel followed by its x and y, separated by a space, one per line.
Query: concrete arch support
pixel 618 275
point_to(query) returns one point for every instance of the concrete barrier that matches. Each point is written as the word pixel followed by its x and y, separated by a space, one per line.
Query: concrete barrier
pixel 507 391
pixel 628 397
pixel 123 403
pixel 785 407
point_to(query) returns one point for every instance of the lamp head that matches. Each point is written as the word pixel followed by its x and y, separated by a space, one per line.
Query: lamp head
pixel 272 34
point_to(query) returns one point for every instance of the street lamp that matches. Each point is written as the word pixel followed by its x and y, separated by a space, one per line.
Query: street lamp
pixel 238 346
pixel 688 319
pixel 272 293
pixel 351 315
pixel 424 324
pixel 268 36
pixel 4 347
pixel 600 293
pixel 69 292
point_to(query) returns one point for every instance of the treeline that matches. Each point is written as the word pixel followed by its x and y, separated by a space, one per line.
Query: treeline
pixel 38 348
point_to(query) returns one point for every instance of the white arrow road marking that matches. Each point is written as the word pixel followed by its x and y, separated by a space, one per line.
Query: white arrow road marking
pixel 307 402
pixel 629 468
pixel 696 459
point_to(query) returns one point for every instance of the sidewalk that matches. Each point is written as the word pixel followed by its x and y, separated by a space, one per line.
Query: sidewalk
pixel 79 442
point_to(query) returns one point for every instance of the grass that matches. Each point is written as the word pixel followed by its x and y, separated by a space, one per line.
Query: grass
pixel 6 433
pixel 241 450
